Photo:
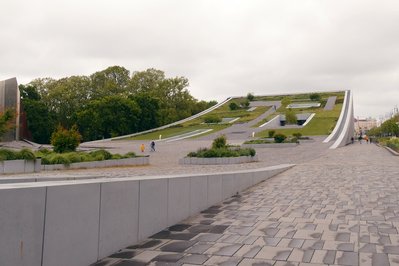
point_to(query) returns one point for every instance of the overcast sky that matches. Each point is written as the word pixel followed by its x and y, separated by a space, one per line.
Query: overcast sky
pixel 225 48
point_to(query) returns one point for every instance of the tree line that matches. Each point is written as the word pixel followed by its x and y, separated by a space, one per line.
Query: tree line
pixel 108 103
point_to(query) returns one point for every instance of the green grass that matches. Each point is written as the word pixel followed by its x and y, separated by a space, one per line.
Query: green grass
pixel 189 126
pixel 175 131
pixel 321 124
pixel 225 112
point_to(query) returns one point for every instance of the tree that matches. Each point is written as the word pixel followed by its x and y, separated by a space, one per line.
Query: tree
pixel 250 97
pixel 390 128
pixel 286 101
pixel 109 117
pixel 40 121
pixel 149 111
pixel 234 106
pixel 6 121
pixel 110 81
pixel 315 97
pixel 290 117
pixel 245 104
pixel 64 140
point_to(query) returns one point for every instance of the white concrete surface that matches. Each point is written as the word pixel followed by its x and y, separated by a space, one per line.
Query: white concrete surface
pixel 119 222
pixel 71 225
pixel 81 221
pixel 21 226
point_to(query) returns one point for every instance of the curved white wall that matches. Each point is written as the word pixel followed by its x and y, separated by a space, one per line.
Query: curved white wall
pixel 79 222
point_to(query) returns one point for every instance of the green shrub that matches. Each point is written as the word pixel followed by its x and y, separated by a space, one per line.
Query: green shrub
pixel 393 144
pixel 315 97
pixel 234 106
pixel 45 160
pixel 297 135
pixel 65 140
pixel 130 155
pixel 73 157
pixel 26 154
pixel 290 117
pixel 212 119
pixel 271 133
pixel 219 142
pixel 250 97
pixel 245 104
pixel 6 154
pixel 279 138
pixel 59 159
pixel 45 151
pixel 117 156
pixel 258 141
pixel 101 154
pixel 221 152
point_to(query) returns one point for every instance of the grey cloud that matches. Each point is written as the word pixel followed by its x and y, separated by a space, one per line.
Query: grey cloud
pixel 223 47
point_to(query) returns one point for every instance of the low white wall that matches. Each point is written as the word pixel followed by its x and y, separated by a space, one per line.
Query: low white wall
pixel 19 166
pixel 221 160
pixel 98 164
pixel 79 222
pixel 270 145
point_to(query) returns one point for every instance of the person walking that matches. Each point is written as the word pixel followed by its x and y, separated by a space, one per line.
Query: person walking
pixel 142 147
pixel 152 145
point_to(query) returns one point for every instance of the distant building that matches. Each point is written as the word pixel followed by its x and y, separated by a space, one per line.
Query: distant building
pixel 363 125
pixel 10 99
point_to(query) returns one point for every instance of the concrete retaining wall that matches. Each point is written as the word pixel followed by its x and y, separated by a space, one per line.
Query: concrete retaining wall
pixel 98 164
pixel 270 145
pixel 19 166
pixel 78 222
pixel 223 160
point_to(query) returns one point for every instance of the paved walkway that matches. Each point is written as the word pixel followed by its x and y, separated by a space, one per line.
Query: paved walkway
pixel 165 160
pixel 339 209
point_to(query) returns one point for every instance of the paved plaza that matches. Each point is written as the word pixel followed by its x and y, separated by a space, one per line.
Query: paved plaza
pixel 338 208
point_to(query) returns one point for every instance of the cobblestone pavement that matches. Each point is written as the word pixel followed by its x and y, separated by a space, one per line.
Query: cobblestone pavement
pixel 339 209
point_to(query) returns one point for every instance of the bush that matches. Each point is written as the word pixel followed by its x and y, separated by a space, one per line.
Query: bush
pixel 26 154
pixel 130 155
pixel 271 133
pixel 219 142
pixel 250 97
pixel 73 157
pixel 297 135
pixel 212 119
pixel 315 97
pixel 65 140
pixel 234 106
pixel 279 138
pixel 6 154
pixel 117 156
pixel 101 154
pixel 245 104
pixel 290 117
pixel 393 144
pixel 59 159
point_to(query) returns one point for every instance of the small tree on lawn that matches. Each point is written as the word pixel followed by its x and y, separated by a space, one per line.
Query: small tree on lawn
pixel 250 97
pixel 315 97
pixel 234 106
pixel 290 117
pixel 219 142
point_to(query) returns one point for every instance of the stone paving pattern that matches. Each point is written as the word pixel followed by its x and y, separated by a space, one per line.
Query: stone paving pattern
pixel 338 209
